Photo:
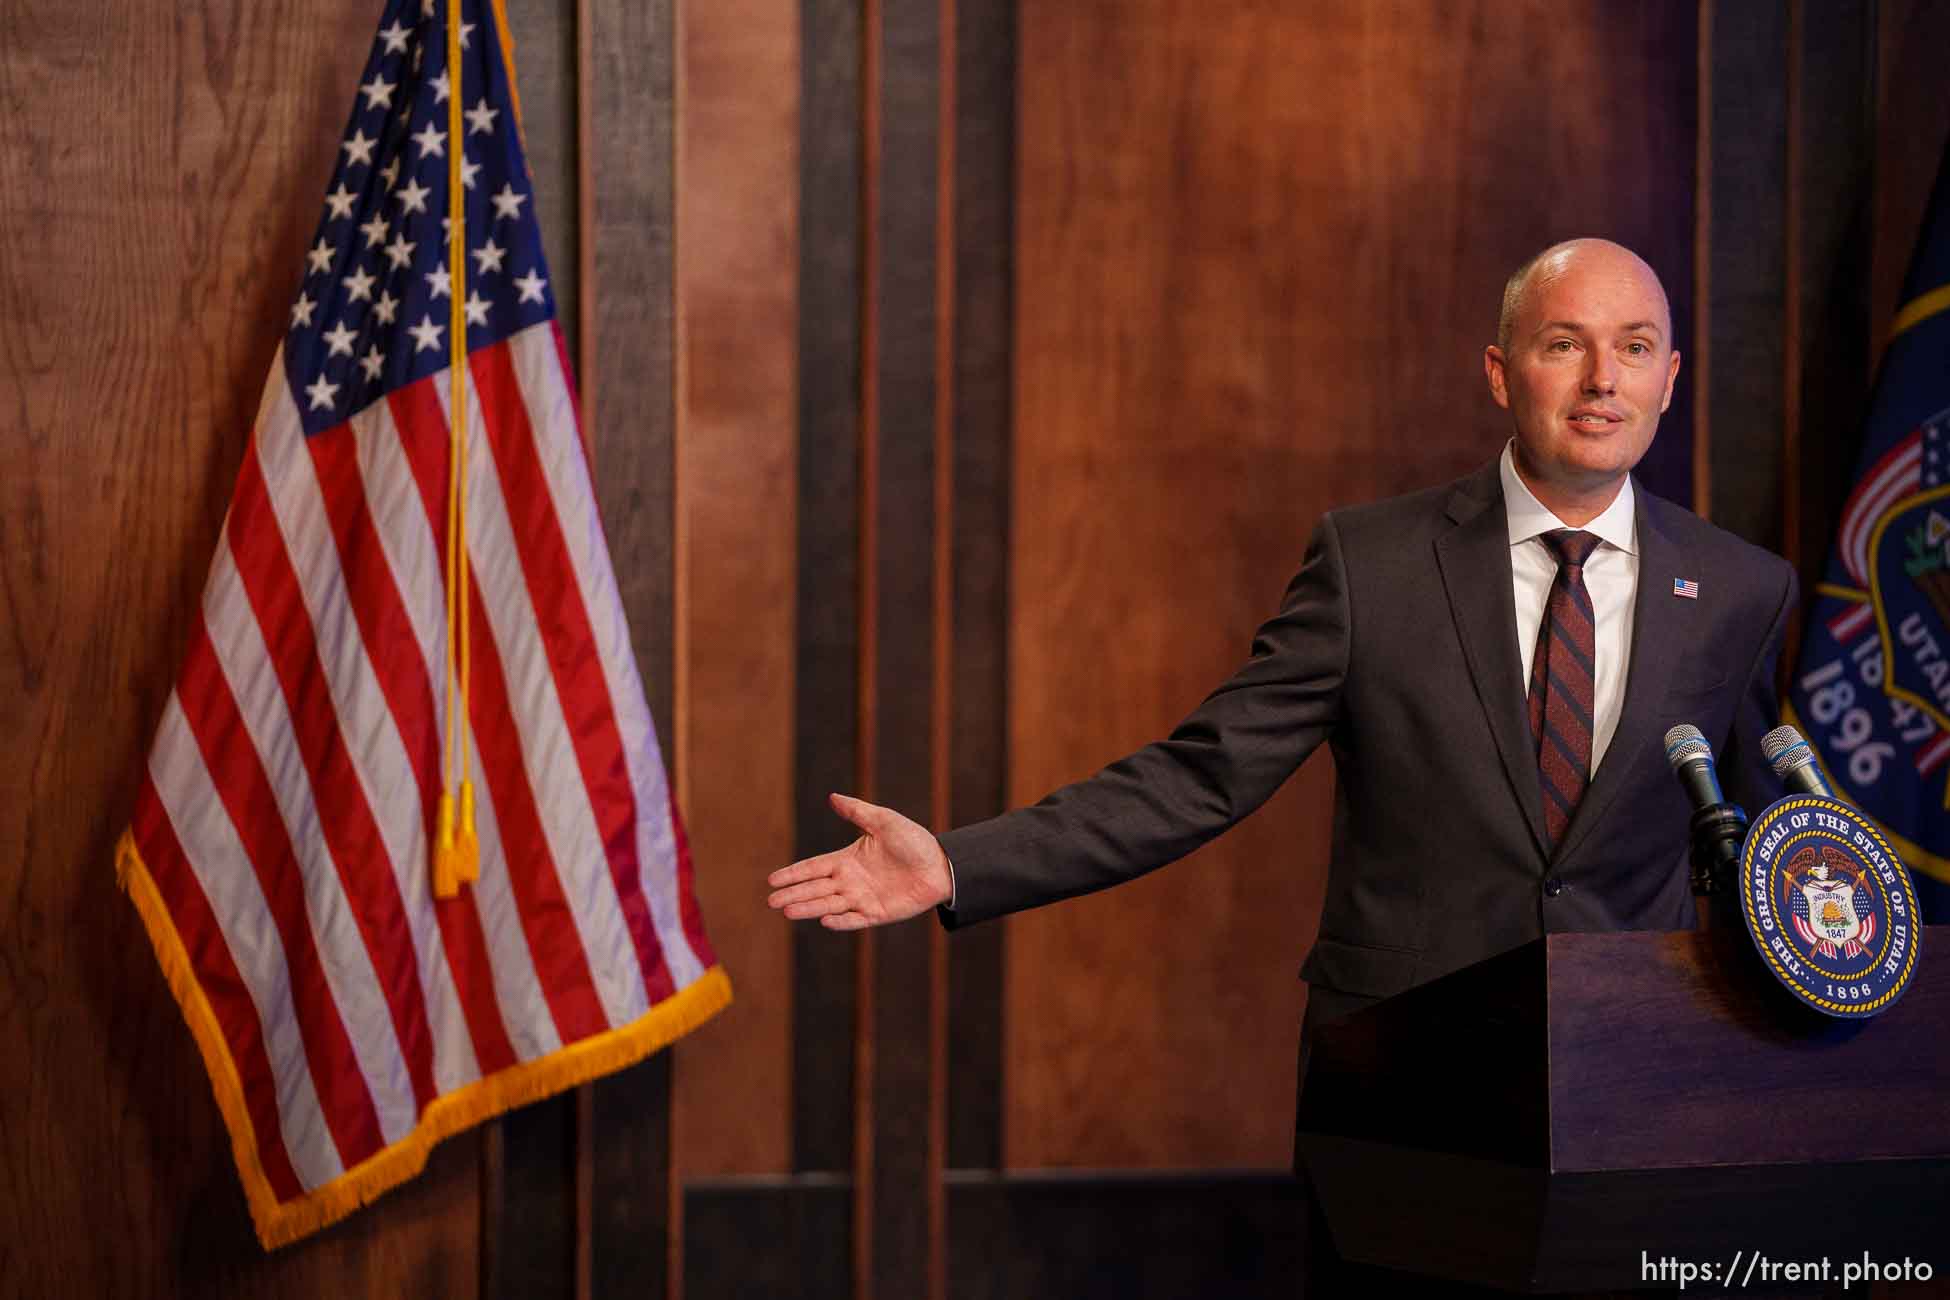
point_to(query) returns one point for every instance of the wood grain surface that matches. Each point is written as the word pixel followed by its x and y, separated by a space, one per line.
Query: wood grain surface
pixel 1255 272
pixel 982 215
pixel 828 744
pixel 629 399
pixel 737 348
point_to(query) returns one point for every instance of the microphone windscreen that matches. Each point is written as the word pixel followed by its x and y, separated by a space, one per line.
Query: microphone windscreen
pixel 1786 750
pixel 1684 743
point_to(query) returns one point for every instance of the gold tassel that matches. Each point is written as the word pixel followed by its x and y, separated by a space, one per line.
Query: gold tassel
pixel 467 847
pixel 446 854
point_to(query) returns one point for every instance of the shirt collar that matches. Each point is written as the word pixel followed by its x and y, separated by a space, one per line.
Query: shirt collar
pixel 1617 525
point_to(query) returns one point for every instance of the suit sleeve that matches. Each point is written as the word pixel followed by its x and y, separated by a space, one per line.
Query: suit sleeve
pixel 1158 804
pixel 1744 771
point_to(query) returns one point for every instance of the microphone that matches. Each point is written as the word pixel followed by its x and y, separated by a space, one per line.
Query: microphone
pixel 1718 827
pixel 1794 762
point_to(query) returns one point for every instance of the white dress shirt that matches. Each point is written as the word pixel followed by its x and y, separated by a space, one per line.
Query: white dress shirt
pixel 1611 575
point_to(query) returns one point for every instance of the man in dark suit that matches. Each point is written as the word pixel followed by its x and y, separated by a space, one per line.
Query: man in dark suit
pixel 1494 663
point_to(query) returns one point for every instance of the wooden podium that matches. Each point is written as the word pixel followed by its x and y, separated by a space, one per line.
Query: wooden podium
pixel 1557 1117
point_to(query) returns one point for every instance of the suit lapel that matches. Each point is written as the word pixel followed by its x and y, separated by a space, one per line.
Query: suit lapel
pixel 1474 557
pixel 1658 631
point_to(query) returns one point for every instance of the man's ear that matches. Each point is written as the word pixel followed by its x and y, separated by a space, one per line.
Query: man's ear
pixel 1672 377
pixel 1493 364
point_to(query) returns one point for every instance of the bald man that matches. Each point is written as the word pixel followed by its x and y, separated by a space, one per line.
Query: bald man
pixel 1493 661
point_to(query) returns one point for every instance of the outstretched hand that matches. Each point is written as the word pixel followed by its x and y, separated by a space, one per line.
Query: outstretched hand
pixel 895 870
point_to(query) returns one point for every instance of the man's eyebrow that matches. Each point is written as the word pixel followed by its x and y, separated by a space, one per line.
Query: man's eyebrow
pixel 1579 327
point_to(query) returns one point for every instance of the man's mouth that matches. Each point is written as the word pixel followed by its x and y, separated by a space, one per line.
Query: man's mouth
pixel 1594 418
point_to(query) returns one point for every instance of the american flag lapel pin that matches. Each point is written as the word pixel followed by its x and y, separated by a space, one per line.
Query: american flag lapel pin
pixel 1686 587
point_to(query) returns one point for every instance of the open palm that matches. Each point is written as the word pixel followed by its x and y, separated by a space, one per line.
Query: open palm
pixel 895 870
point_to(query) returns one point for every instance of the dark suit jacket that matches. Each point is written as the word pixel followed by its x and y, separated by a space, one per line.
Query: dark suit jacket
pixel 1396 644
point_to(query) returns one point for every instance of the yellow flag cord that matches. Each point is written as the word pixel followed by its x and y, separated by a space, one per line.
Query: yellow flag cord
pixel 456 848
pixel 449 867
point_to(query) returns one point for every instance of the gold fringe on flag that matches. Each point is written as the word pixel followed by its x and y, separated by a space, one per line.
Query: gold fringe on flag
pixel 575 1063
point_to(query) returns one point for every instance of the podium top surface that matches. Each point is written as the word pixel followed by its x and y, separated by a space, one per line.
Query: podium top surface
pixel 1638 1050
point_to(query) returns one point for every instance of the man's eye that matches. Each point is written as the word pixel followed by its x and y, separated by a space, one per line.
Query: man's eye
pixel 1637 349
pixel 1559 345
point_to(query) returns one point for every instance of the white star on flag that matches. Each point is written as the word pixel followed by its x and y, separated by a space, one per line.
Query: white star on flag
pixel 339 339
pixel 358 149
pixel 395 37
pixel 390 172
pixel 480 118
pixel 440 283
pixel 488 257
pixel 426 335
pixel 431 141
pixel 466 29
pixel 440 86
pixel 321 392
pixel 378 92
pixel 375 230
pixel 476 308
pixel 414 197
pixel 301 311
pixel 373 363
pixel 468 169
pixel 383 310
pixel 507 203
pixel 531 286
pixel 340 201
pixel 400 251
pixel 320 257
pixel 358 285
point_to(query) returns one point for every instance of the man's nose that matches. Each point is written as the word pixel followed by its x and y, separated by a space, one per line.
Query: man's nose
pixel 1601 372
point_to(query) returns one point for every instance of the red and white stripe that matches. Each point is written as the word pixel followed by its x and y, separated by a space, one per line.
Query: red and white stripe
pixel 1895 476
pixel 290 795
pixel 1852 622
pixel 1932 756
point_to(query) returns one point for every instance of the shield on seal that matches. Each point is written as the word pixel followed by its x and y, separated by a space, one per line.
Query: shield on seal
pixel 1831 907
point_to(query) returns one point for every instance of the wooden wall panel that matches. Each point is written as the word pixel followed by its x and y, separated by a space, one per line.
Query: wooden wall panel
pixel 737 285
pixel 1743 325
pixel 827 749
pixel 983 175
pixel 624 1198
pixel 899 1252
pixel 1831 161
pixel 150 243
pixel 546 73
pixel 1255 272
pixel 1912 128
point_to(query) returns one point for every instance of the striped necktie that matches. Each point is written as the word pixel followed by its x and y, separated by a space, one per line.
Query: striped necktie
pixel 1563 682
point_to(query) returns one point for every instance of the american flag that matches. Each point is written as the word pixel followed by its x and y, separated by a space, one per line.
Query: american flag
pixel 279 847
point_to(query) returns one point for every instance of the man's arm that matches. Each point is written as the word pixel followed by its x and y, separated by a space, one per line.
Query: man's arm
pixel 1148 808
